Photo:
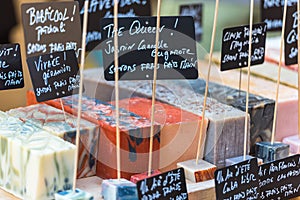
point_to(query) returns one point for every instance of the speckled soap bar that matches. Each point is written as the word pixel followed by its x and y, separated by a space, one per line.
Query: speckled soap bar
pixel 34 163
pixel 261 109
pixel 53 120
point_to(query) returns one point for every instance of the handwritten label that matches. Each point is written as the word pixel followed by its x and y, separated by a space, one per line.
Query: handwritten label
pixel 177 58
pixel 54 75
pixel 291 36
pixel 11 72
pixel 51 27
pixel 235 46
pixel 194 10
pixel 104 9
pixel 167 186
pixel 239 181
pixel 280 179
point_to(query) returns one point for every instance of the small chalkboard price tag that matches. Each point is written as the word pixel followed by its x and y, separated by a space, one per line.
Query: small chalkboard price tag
pixel 291 36
pixel 104 9
pixel 51 27
pixel 194 10
pixel 177 56
pixel 280 179
pixel 235 46
pixel 167 186
pixel 54 75
pixel 239 181
pixel 11 72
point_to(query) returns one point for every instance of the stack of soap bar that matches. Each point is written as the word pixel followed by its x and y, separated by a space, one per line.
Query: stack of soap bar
pixel 294 143
pixel 261 109
pixel 134 136
pixel 198 172
pixel 53 120
pixel 119 189
pixel 179 133
pixel 73 195
pixel 34 164
pixel 269 152
pixel 137 177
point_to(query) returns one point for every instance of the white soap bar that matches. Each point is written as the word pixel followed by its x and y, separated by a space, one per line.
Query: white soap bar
pixel 119 189
pixel 73 195
pixel 34 164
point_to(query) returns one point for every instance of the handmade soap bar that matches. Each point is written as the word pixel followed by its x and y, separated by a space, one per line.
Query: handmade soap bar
pixel 137 177
pixel 119 189
pixel 232 161
pixel 179 130
pixel 270 152
pixel 260 109
pixel 198 172
pixel 294 143
pixel 226 124
pixel 73 195
pixel 64 125
pixel 34 163
pixel 134 136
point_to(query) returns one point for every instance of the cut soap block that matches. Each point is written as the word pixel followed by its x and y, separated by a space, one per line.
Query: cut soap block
pixel 34 163
pixel 179 130
pixel 119 189
pixel 235 160
pixel 198 172
pixel 226 124
pixel 270 152
pixel 294 143
pixel 73 195
pixel 137 177
pixel 53 120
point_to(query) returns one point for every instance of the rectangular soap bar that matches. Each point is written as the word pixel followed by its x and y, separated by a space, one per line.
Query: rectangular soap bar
pixel 73 195
pixel 294 143
pixel 179 130
pixel 53 120
pixel 137 177
pixel 226 124
pixel 119 189
pixel 270 152
pixel 34 163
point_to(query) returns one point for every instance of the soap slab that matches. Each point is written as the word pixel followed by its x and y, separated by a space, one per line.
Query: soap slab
pixel 179 130
pixel 226 124
pixel 260 109
pixel 235 160
pixel 198 172
pixel 137 177
pixel 270 152
pixel 73 195
pixel 34 163
pixel 119 189
pixel 53 120
pixel 294 143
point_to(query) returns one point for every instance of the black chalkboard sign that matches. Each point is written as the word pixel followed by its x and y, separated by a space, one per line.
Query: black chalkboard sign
pixel 280 179
pixel 272 13
pixel 11 72
pixel 291 36
pixel 239 181
pixel 51 27
pixel 235 46
pixel 104 9
pixel 54 75
pixel 167 186
pixel 194 10
pixel 177 48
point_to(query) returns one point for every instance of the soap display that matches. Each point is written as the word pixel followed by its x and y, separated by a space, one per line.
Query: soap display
pixel 63 125
pixel 25 151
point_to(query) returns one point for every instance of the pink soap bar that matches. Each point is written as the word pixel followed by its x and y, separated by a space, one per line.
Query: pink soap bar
pixel 137 177
pixel 294 142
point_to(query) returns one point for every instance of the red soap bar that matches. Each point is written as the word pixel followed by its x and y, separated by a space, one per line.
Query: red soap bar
pixel 179 133
pixel 137 177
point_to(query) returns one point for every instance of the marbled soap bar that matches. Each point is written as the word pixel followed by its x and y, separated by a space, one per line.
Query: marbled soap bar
pixel 224 137
pixel 270 152
pixel 34 163
pixel 64 125
pixel 114 189
pixel 179 130
pixel 261 109
pixel 73 195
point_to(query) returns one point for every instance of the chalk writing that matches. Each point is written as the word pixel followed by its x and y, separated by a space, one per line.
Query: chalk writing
pixel 239 181
pixel 54 75
pixel 11 72
pixel 177 56
pixel 235 46
pixel 167 186
pixel 51 27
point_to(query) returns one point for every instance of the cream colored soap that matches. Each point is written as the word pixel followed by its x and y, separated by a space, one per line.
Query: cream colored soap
pixel 34 164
